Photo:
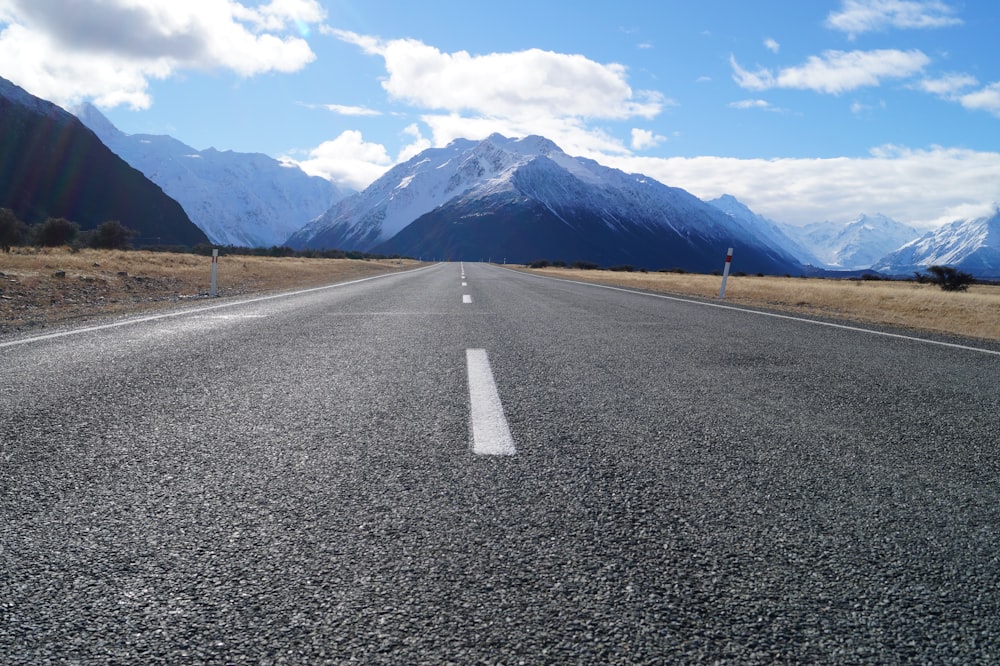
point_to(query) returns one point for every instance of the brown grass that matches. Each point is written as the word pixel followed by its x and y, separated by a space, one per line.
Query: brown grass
pixel 103 282
pixel 924 307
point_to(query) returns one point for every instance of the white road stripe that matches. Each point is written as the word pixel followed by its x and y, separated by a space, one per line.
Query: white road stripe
pixel 490 432
pixel 466 298
pixel 465 284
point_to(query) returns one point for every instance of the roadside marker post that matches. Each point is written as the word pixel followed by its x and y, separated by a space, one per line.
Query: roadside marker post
pixel 215 266
pixel 725 273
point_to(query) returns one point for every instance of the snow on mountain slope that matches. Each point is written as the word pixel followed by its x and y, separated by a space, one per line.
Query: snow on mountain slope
pixel 243 199
pixel 764 228
pixel 969 245
pixel 854 245
pixel 532 178
pixel 418 186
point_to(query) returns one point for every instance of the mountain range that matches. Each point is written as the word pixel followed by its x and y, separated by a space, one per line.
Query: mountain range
pixel 858 244
pixel 524 199
pixel 972 246
pixel 242 199
pixel 499 198
pixel 51 165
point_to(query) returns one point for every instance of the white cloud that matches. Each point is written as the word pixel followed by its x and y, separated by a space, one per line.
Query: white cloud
pixel 947 86
pixel 835 72
pixel 345 110
pixel 925 188
pixel 771 45
pixel 987 99
pixel 517 85
pixel 860 16
pixel 108 50
pixel 348 160
pixel 417 145
pixel 751 104
pixel 643 139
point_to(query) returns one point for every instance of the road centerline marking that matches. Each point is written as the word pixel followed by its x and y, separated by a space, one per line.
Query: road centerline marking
pixel 490 432
pixel 466 298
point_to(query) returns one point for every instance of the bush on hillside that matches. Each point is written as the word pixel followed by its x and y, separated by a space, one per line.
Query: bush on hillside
pixel 55 231
pixel 12 230
pixel 111 235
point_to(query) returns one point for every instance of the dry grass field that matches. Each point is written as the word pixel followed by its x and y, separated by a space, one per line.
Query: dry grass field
pixel 43 287
pixel 922 307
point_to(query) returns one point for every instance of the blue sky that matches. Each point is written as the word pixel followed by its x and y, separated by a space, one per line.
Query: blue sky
pixel 805 110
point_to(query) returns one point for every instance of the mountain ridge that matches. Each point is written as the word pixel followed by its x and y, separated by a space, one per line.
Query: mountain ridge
pixel 52 165
pixel 242 199
pixel 970 245
pixel 461 193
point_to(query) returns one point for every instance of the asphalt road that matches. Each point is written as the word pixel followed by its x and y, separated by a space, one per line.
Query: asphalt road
pixel 297 480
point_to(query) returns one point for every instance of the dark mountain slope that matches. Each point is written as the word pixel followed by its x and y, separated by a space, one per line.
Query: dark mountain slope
pixel 51 165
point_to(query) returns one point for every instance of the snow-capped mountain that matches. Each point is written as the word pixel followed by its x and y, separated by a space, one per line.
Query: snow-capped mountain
pixel 51 165
pixel 969 245
pixel 525 199
pixel 856 244
pixel 243 199
pixel 766 229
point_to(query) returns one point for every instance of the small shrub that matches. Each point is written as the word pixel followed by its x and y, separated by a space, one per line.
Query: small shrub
pixel 55 231
pixel 111 235
pixel 585 265
pixel 12 230
pixel 539 263
pixel 624 268
pixel 950 279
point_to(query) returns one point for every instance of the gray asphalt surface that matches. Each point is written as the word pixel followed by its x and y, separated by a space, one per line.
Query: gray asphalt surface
pixel 292 481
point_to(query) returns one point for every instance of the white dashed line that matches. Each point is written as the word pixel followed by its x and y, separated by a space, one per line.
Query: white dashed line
pixel 490 432
pixel 466 298
pixel 465 284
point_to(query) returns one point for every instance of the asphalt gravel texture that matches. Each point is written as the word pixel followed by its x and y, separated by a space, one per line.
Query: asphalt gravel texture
pixel 291 481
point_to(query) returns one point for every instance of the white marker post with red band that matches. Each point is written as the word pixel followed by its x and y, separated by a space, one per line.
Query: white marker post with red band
pixel 215 265
pixel 725 273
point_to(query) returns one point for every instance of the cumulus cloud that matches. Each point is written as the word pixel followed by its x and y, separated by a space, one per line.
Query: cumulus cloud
pixel 418 143
pixel 517 85
pixel 986 99
pixel 835 72
pixel 955 87
pixel 348 160
pixel 948 85
pixel 108 50
pixel 771 45
pixel 643 139
pixel 925 188
pixel 860 16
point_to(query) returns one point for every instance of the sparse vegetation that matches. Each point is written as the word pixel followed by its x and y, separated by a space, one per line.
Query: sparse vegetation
pixel 12 230
pixel 94 282
pixel 948 278
pixel 54 232
pixel 907 304
pixel 111 235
